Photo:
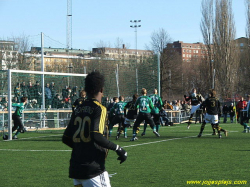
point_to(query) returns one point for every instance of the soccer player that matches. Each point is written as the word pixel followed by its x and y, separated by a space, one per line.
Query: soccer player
pixel 18 125
pixel 145 106
pixel 111 115
pixel 245 117
pixel 130 113
pixel 118 109
pixel 196 99
pixel 86 134
pixel 212 106
pixel 158 104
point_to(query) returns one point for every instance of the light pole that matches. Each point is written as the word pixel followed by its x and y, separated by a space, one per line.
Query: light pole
pixel 70 71
pixel 135 26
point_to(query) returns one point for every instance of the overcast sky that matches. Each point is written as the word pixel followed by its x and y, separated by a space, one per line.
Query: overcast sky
pixel 107 20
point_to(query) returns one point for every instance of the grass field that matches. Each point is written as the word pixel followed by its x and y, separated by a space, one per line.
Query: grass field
pixel 176 158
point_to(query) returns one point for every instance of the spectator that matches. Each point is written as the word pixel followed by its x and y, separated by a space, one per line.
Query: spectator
pixel 68 104
pixel 17 90
pixel 175 106
pixel 239 107
pixel 38 93
pixel 225 111
pixel 65 92
pixel 231 110
pixel 73 97
pixel 24 90
pixel 169 105
pixel 66 99
pixel 74 90
pixel 31 94
pixel 56 103
pixel 52 89
pixel 48 96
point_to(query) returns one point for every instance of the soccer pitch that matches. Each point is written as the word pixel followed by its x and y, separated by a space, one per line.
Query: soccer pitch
pixel 176 158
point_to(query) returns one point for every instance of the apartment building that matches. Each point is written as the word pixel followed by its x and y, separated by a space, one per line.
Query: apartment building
pixel 8 55
pixel 121 53
pixel 188 51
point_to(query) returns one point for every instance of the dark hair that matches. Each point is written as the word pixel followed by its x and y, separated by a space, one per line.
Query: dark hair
pixel 212 93
pixel 94 82
pixel 121 98
pixel 23 99
pixel 135 96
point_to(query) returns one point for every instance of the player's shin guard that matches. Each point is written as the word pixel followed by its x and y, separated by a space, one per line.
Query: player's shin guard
pixel 213 127
pixel 190 118
pixel 110 129
pixel 125 131
pixel 157 127
pixel 145 127
pixel 245 126
pixel 202 127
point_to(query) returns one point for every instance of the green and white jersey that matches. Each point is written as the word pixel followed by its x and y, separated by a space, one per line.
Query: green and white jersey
pixel 19 108
pixel 145 104
pixel 118 108
pixel 157 102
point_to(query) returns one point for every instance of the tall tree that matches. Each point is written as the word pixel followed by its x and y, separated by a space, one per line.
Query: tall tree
pixel 218 31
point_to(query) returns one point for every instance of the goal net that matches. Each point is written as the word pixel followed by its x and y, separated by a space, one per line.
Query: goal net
pixel 50 98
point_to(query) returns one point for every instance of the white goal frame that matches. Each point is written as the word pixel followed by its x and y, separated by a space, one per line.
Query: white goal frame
pixel 10 71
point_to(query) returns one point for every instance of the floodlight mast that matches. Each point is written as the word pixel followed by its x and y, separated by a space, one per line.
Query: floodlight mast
pixel 69 24
pixel 135 26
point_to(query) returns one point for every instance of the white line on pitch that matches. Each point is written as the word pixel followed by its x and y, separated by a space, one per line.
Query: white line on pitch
pixel 122 146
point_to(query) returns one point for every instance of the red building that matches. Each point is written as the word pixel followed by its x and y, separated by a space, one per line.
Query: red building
pixel 188 51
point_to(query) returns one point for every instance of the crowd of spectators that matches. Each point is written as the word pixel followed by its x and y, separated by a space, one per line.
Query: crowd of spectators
pixel 54 98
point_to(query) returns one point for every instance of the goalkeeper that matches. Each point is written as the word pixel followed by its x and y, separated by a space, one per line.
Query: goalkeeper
pixel 87 134
pixel 18 125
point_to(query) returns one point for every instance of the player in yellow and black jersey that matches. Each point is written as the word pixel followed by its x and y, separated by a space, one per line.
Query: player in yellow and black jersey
pixel 86 134
pixel 212 108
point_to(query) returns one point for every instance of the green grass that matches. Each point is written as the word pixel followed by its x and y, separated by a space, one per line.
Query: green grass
pixel 178 156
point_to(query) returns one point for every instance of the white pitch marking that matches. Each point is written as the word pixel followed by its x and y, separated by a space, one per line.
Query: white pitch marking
pixel 123 146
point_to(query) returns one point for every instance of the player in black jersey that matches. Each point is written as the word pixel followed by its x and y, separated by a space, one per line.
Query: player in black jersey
pixel 87 134
pixel 130 113
pixel 79 100
pixel 212 107
pixel 111 114
pixel 196 100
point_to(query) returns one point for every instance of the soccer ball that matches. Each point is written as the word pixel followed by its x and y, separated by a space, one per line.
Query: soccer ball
pixel 5 137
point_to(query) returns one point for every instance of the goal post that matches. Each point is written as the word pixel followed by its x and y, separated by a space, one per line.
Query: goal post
pixel 10 73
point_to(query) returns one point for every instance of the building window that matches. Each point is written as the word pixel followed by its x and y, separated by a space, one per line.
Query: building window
pixel 184 55
pixel 183 50
pixel 241 44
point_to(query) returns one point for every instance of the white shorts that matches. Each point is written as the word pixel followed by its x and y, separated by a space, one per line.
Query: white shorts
pixel 211 118
pixel 129 121
pixel 101 180
pixel 194 108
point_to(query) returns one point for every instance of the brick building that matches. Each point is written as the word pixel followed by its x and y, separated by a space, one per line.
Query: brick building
pixel 188 51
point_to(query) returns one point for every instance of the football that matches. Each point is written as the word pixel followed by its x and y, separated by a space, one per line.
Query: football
pixel 5 137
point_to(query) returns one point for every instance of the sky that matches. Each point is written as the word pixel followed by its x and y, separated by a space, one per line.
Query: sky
pixel 96 21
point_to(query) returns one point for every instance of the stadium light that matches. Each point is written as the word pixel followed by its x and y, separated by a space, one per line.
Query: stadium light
pixel 135 26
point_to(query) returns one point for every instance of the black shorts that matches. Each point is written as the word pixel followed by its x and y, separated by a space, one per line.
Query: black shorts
pixel 144 116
